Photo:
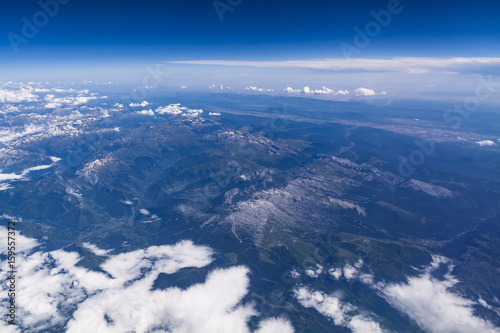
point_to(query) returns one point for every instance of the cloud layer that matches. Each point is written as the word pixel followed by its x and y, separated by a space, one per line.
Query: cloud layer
pixel 432 303
pixel 121 297
pixel 411 65
pixel 342 314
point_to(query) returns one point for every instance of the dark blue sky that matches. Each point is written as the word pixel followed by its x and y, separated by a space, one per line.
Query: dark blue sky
pixel 190 29
pixel 117 40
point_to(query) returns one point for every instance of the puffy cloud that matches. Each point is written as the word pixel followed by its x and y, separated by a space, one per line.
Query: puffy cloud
pixel 429 301
pixel 214 114
pixel 143 104
pixel 74 193
pixel 335 272
pixel 415 65
pixel 7 177
pixel 348 205
pixel 486 143
pixel 258 89
pixel 342 314
pixel 56 292
pixel 291 90
pixel 95 250
pixel 11 134
pixel 275 325
pixel 146 112
pixel 432 303
pixel 24 94
pixel 8 108
pixel 213 86
pixel 24 244
pixel 367 92
pixel 323 91
pixel 57 102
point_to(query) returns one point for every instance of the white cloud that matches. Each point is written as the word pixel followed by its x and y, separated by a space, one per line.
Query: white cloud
pixel 322 91
pixel 146 112
pixel 275 325
pixel 314 272
pixel 483 303
pixel 214 114
pixel 74 193
pixel 7 177
pixel 429 301
pixel 258 89
pixel 364 92
pixel 24 94
pixel 23 244
pixel 367 92
pixel 335 272
pixel 342 314
pixel 57 102
pixel 486 143
pixel 94 249
pixel 171 109
pixel 192 112
pixel 184 87
pixel 416 65
pixel 432 303
pixel 143 104
pixel 177 109
pixel 144 211
pixel 122 299
pixel 118 105
pixel 291 90
pixel 8 108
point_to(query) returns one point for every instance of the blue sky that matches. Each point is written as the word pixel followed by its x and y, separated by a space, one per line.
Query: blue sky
pixel 118 38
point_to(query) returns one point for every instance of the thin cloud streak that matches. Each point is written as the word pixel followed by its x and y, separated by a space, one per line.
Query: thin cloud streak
pixel 412 65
